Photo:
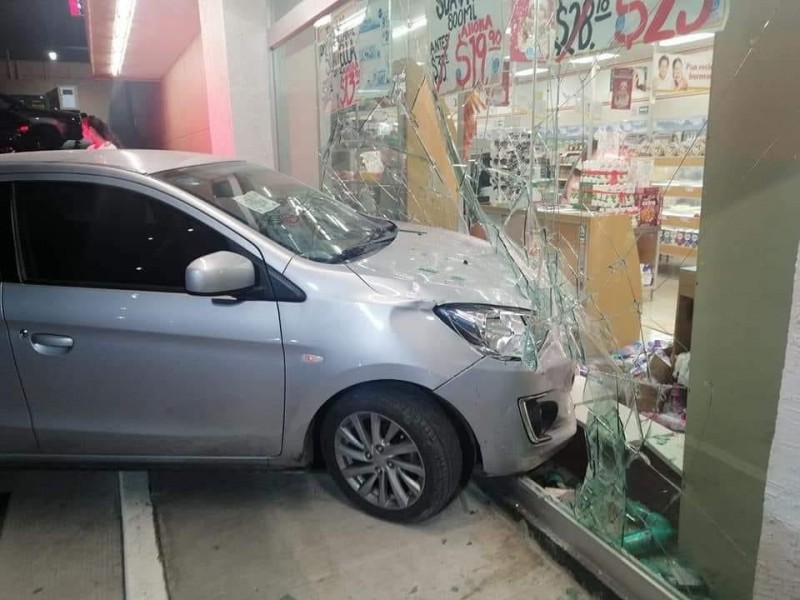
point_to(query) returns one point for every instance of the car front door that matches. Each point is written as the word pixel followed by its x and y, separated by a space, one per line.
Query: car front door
pixel 114 356
pixel 16 432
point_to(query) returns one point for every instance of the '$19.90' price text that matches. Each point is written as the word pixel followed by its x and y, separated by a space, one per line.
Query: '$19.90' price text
pixel 636 21
pixel 476 41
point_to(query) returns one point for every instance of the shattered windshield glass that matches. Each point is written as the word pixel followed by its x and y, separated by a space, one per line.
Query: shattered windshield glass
pixel 305 221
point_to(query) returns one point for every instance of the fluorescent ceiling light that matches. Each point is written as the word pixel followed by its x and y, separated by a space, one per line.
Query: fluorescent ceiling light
pixel 52 55
pixel 527 72
pixel 413 25
pixel 587 60
pixel 123 19
pixel 686 39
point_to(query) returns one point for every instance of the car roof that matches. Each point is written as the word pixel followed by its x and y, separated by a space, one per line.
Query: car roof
pixel 137 161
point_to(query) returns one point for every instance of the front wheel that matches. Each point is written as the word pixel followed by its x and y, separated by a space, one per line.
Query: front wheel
pixel 393 452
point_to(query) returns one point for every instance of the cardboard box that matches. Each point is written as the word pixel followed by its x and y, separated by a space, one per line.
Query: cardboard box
pixel 661 370
pixel 650 396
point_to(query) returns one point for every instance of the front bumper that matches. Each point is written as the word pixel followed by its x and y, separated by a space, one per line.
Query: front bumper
pixel 487 395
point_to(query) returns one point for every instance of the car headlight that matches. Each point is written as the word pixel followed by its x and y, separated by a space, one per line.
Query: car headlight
pixel 501 333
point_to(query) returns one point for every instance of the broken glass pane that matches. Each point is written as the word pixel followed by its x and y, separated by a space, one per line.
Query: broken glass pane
pixel 572 173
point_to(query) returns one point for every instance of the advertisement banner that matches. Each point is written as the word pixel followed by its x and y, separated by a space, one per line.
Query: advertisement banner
pixel 353 53
pixel 589 26
pixel 622 81
pixel 466 44
pixel 374 48
pixel 677 74
pixel 524 39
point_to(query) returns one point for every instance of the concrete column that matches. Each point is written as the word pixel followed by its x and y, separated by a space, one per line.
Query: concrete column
pixel 777 572
pixel 750 233
pixel 239 78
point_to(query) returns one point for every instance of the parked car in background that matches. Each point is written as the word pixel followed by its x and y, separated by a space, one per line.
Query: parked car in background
pixel 171 307
pixel 36 129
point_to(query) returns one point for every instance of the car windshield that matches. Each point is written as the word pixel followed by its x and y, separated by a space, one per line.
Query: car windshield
pixel 310 223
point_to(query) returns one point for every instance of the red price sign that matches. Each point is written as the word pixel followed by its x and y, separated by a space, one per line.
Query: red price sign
pixel 589 25
pixel 653 24
pixel 348 84
pixel 476 41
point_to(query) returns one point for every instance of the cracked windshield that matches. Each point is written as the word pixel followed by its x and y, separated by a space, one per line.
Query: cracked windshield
pixel 399 299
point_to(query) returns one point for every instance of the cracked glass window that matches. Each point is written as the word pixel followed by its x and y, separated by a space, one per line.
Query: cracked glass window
pixel 571 143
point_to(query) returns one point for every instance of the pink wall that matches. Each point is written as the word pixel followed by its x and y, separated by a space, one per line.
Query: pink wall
pixel 183 92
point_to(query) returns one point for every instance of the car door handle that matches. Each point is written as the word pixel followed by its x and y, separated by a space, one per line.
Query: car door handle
pixel 50 344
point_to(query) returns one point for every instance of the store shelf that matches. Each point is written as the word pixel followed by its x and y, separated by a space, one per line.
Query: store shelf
pixel 679 161
pixel 694 192
pixel 681 252
pixel 675 222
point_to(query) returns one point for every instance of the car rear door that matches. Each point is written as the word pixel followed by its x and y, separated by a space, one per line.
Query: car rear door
pixel 114 356
pixel 16 432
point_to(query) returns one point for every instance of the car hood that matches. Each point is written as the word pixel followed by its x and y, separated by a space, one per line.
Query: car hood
pixel 440 266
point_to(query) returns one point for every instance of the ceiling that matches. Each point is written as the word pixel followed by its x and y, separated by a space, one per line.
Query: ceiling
pixel 29 29
pixel 160 33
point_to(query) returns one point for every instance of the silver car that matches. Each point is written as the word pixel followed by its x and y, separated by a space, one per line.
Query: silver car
pixel 164 307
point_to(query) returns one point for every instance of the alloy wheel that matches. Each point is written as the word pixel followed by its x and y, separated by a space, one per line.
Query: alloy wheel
pixel 379 460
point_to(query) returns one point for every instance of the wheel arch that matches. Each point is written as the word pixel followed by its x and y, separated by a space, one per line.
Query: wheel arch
pixel 470 449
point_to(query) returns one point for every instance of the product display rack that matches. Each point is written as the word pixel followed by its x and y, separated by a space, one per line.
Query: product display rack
pixel 678 248
pixel 568 161
pixel 368 159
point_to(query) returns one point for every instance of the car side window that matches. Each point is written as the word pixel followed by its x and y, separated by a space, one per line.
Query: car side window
pixel 90 235
pixel 7 264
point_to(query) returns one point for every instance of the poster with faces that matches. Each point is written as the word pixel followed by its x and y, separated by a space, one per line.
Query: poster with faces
pixel 675 74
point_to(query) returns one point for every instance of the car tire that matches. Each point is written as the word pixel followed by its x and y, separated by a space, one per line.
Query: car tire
pixel 428 474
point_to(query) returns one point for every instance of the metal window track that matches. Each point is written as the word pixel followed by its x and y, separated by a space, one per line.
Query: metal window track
pixel 618 572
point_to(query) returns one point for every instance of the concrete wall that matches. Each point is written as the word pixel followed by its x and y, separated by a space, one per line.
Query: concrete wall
pixel 746 269
pixel 31 77
pixel 185 117
pixel 239 78
pixel 297 108
pixel 777 573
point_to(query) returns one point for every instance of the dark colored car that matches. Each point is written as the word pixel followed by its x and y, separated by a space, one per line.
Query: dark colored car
pixel 25 128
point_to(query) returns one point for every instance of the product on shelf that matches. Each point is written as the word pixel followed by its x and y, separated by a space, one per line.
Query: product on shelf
pixel 686 238
pixel 650 201
pixel 604 187
pixel 510 166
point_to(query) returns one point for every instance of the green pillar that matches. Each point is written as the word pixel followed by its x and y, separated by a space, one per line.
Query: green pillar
pixel 749 242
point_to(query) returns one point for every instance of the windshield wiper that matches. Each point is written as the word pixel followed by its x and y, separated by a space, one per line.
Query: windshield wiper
pixel 380 236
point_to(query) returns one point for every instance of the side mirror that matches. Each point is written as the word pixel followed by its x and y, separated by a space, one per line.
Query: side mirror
pixel 220 273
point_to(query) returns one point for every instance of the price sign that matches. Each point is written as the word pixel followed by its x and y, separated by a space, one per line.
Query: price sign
pixel 466 47
pixel 586 26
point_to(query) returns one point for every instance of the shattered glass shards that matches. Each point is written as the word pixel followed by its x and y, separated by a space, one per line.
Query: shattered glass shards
pixel 401 155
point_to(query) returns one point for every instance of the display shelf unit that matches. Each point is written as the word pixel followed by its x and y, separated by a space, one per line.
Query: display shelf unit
pixel 674 250
pixel 364 138
pixel 695 192
pixel 679 161
pixel 566 163
pixel 593 246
